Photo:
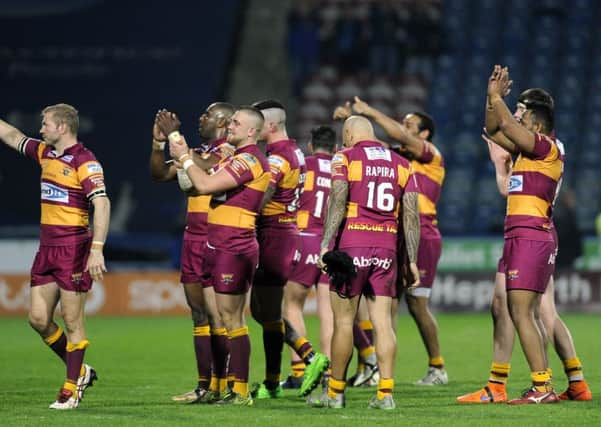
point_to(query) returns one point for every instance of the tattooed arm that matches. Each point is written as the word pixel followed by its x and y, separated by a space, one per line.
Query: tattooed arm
pixel 336 212
pixel 411 228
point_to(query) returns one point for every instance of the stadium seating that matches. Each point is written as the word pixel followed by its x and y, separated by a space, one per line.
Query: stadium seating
pixel 553 44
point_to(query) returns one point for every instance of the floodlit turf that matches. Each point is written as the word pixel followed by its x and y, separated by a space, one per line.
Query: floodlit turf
pixel 141 362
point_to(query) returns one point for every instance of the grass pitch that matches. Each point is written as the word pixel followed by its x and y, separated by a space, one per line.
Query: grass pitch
pixel 141 362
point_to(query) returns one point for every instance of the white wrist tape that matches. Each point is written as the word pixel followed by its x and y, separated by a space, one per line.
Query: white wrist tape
pixel 174 136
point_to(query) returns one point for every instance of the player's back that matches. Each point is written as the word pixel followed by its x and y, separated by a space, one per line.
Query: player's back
pixel 377 178
pixel 316 190
pixel 287 165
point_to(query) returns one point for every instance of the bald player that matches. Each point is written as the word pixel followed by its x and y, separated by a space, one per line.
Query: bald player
pixel 415 134
pixel 209 334
pixel 371 185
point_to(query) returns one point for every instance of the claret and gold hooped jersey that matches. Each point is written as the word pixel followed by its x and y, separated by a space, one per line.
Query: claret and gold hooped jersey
pixel 429 171
pixel 198 206
pixel 68 183
pixel 533 186
pixel 232 216
pixel 377 179
pixel 316 190
pixel 287 166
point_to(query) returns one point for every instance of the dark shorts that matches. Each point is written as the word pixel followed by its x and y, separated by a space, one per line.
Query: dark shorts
pixel 193 264
pixel 306 271
pixel 64 265
pixel 230 273
pixel 376 273
pixel 529 264
pixel 428 255
pixel 278 255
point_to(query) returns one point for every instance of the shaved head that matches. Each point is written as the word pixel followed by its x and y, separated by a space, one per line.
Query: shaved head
pixel 355 129
pixel 221 108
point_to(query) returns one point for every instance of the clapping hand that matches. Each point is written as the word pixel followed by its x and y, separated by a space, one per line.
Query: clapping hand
pixel 499 83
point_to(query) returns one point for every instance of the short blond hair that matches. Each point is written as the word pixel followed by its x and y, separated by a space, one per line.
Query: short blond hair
pixel 64 113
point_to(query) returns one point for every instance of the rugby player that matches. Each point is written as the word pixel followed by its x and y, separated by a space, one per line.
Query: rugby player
pixel 278 239
pixel 415 134
pixel 70 257
pixel 209 333
pixel 238 187
pixel 503 334
pixel 310 218
pixel 369 182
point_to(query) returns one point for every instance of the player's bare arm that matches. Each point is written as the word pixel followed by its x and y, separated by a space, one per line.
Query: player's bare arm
pixel 393 128
pixel 501 159
pixel 159 170
pixel 411 229
pixel 334 216
pixel 509 126
pixel 10 135
pixel 102 214
pixel 342 112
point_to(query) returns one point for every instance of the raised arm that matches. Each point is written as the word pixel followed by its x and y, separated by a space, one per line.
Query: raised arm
pixel 10 135
pixel 159 170
pixel 393 128
pixel 102 213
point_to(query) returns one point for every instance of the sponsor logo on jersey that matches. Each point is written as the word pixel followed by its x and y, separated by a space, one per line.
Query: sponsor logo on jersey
pixel 324 165
pixel 94 168
pixel 377 153
pixel 238 166
pixel 67 158
pixel 249 158
pixel 276 162
pixel 516 183
pixel 227 278
pixel 53 193
pixel 513 274
pixel 363 262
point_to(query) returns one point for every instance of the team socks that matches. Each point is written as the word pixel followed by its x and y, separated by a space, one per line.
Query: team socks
pixel 385 386
pixel 58 343
pixel 75 354
pixel 220 352
pixel 273 343
pixel 499 372
pixel 436 362
pixel 202 350
pixel 239 359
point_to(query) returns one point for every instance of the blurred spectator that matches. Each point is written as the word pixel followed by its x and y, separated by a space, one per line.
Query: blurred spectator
pixel 568 233
pixel 351 41
pixel 387 38
pixel 303 44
